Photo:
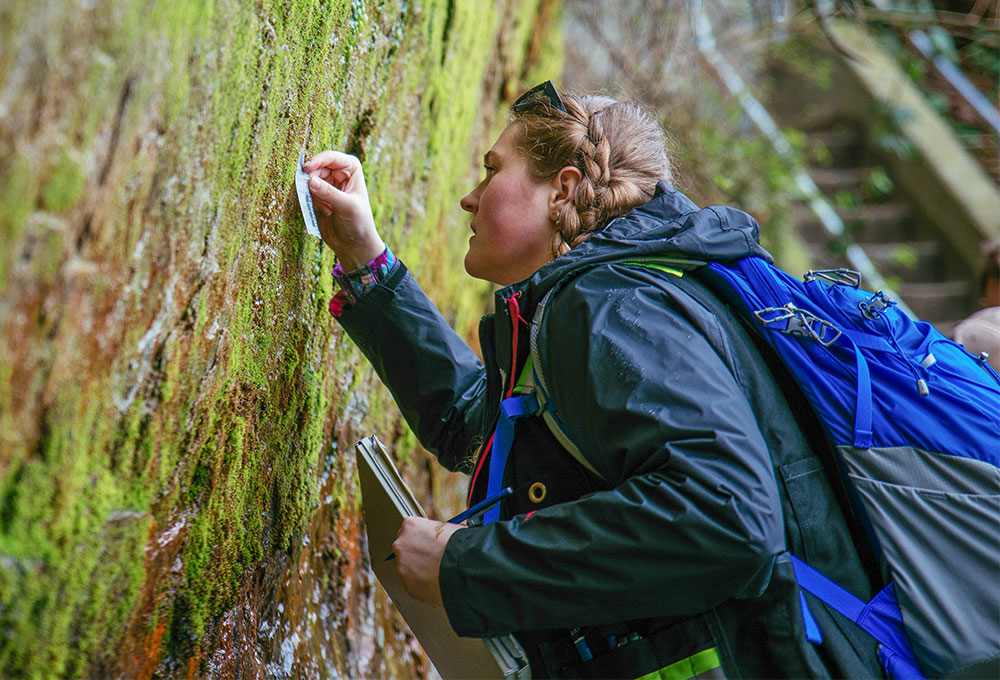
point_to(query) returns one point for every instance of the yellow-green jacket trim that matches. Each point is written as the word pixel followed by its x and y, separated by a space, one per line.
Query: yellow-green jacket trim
pixel 687 668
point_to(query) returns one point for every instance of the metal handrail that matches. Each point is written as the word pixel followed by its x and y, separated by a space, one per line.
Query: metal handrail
pixel 947 70
pixel 755 111
pixel 958 81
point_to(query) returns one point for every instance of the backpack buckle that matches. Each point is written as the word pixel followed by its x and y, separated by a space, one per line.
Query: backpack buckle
pixel 873 307
pixel 800 323
pixel 843 275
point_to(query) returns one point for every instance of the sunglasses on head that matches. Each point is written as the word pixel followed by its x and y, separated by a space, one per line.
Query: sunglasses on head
pixel 544 92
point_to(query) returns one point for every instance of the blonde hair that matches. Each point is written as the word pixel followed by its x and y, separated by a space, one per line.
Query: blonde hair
pixel 619 149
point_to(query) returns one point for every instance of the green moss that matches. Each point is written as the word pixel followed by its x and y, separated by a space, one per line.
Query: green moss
pixel 183 26
pixel 17 198
pixel 65 184
pixel 80 516
pixel 13 19
pixel 231 405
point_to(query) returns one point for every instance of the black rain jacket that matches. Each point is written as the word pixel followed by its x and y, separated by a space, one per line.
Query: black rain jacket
pixel 705 478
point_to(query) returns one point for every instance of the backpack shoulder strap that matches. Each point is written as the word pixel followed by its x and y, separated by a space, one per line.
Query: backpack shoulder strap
pixel 674 266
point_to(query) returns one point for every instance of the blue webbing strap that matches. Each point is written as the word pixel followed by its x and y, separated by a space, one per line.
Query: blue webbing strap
pixel 511 409
pixel 868 341
pixel 863 403
pixel 880 618
pixel 813 633
pixel 898 666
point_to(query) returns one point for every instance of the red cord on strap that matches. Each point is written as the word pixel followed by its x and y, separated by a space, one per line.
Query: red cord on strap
pixel 482 459
pixel 515 315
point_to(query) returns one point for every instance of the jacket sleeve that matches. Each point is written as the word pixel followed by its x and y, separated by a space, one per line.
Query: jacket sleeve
pixel 694 517
pixel 435 378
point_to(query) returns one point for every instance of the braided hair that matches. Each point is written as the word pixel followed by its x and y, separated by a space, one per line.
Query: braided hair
pixel 619 149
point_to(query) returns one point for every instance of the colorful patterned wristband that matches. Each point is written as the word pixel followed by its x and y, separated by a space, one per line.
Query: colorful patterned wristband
pixel 354 284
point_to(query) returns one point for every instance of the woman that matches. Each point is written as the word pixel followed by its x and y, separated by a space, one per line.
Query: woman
pixel 660 543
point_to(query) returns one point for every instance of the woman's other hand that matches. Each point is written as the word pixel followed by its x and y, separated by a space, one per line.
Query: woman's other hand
pixel 419 547
pixel 343 213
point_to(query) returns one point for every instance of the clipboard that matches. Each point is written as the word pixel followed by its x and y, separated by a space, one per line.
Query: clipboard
pixel 386 500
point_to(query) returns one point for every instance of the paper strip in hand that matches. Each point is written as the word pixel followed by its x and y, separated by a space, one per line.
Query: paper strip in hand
pixel 305 198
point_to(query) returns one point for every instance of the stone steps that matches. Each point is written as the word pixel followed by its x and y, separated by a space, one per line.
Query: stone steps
pixel 916 260
pixel 867 223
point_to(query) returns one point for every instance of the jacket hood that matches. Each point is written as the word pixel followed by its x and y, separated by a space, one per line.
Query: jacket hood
pixel 670 224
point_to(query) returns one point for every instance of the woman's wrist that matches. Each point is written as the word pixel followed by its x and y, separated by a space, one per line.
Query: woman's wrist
pixel 355 283
pixel 360 254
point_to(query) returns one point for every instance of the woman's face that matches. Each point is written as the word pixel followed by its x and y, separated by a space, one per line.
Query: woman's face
pixel 511 230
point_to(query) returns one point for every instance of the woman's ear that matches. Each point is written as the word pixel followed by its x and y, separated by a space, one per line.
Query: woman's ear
pixel 564 186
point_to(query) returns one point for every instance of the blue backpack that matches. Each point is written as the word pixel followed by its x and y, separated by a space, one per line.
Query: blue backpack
pixel 914 420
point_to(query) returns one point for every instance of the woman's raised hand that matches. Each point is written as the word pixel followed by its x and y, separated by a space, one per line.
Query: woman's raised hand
pixel 343 213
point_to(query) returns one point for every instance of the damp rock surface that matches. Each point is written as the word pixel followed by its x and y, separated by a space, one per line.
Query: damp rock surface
pixel 178 493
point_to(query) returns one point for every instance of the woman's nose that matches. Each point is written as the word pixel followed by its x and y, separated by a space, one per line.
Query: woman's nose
pixel 469 202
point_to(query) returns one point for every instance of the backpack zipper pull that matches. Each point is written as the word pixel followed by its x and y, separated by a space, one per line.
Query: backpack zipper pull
pixel 922 389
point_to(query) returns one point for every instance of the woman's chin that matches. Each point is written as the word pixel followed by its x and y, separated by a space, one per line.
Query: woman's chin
pixel 484 269
pixel 474 274
pixel 474 261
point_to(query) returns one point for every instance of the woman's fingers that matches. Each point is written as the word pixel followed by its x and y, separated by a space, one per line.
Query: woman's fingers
pixel 338 169
pixel 337 163
pixel 325 192
pixel 330 158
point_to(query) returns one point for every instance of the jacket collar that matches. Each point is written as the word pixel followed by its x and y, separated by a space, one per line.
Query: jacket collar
pixel 670 224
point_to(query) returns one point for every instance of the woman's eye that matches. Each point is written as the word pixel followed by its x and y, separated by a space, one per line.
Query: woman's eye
pixel 489 170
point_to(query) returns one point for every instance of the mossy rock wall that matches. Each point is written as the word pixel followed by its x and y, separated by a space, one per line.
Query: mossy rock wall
pixel 178 495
